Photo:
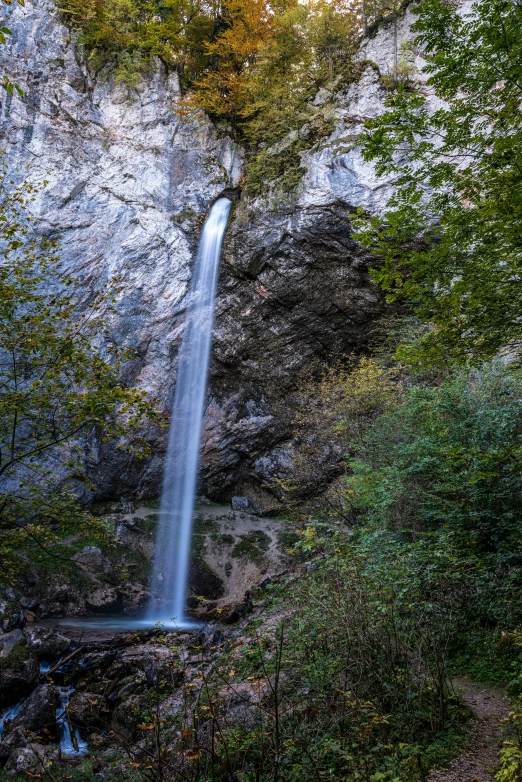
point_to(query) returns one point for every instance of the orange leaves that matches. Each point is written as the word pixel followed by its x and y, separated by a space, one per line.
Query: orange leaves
pixel 224 90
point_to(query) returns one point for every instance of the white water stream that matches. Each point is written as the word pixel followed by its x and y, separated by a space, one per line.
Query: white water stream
pixel 171 562
pixel 8 716
pixel 71 741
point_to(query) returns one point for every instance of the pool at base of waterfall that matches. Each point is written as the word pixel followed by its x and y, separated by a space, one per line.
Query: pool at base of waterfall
pixel 122 623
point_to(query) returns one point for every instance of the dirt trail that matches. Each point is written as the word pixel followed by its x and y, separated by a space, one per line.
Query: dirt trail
pixel 479 759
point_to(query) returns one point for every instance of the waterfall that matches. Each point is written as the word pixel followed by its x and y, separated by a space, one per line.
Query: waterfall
pixel 171 561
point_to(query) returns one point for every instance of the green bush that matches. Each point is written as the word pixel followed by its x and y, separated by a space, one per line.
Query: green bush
pixel 449 455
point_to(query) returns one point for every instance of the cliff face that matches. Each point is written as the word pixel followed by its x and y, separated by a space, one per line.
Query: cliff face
pixel 295 289
pixel 129 186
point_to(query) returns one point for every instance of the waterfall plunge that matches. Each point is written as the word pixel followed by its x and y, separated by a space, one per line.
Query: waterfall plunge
pixel 171 561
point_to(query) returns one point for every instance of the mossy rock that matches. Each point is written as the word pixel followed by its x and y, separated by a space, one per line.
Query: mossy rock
pixel 18 668
pixel 203 526
pixel 288 539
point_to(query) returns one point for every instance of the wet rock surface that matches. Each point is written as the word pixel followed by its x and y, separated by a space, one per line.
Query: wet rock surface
pixel 112 679
pixel 203 582
pixel 231 551
pixel 38 712
pixel 88 710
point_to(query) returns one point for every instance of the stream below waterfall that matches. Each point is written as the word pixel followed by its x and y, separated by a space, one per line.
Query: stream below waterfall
pixel 8 716
pixel 71 741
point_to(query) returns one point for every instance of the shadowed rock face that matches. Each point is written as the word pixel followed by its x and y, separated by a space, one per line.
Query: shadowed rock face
pixel 294 293
pixel 129 187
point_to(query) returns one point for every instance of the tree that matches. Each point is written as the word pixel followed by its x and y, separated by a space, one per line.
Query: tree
pixel 8 85
pixel 58 384
pixel 128 33
pixel 221 91
pixel 451 243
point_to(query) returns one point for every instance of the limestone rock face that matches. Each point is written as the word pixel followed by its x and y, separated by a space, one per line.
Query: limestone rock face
pixel 129 186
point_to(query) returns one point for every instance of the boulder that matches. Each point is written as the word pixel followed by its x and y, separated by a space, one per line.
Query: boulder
pixel 23 760
pixel 38 712
pixel 126 718
pixel 48 644
pixel 11 739
pixel 104 600
pixel 91 560
pixel 11 616
pixel 18 667
pixel 242 504
pixel 88 710
pixel 163 671
pixel 61 593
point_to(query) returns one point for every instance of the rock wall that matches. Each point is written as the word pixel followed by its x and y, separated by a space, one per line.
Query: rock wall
pixel 129 186
pixel 295 290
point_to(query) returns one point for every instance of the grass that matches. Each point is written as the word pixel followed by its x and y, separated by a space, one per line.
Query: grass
pixel 251 546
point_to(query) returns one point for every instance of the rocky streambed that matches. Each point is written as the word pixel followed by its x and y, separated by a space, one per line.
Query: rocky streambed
pixel 74 681
pixel 105 699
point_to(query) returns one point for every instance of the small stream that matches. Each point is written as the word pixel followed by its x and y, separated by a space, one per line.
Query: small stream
pixel 9 715
pixel 71 741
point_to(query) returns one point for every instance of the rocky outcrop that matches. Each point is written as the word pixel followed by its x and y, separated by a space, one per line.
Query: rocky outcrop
pixel 231 552
pixel 294 294
pixel 48 643
pixel 129 186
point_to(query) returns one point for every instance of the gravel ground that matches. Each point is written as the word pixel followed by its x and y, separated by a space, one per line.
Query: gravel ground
pixel 477 763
